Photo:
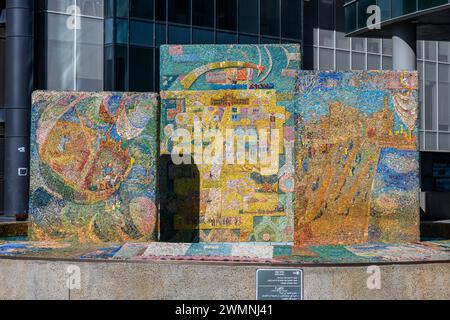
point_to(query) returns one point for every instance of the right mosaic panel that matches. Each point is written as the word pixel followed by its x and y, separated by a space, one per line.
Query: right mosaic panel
pixel 357 158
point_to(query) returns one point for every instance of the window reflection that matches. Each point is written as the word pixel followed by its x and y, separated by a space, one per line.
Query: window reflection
pixel 270 17
pixel 141 69
pixel 179 35
pixel 291 19
pixel 141 9
pixel 202 36
pixel 226 14
pixel 248 16
pixel 180 11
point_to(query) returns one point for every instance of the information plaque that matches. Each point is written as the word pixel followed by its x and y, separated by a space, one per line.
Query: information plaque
pixel 279 284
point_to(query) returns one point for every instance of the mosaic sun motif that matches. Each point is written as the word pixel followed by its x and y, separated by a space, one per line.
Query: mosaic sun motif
pixel 217 96
pixel 93 164
pixel 357 157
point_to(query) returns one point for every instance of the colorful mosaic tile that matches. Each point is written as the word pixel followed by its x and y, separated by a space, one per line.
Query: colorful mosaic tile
pixel 26 247
pixel 232 105
pixel 357 158
pixel 262 253
pixel 93 167
pixel 130 251
pixel 102 253
pixel 399 253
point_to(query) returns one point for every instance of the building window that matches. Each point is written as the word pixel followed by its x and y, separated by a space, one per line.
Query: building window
pixel 202 36
pixel 180 11
pixel 291 24
pixel 72 58
pixel 141 33
pixel 226 17
pixel 402 7
pixel 160 10
pixel 433 67
pixel 141 9
pixel 270 17
pixel 141 69
pixel 248 16
pixel 122 8
pixel 203 13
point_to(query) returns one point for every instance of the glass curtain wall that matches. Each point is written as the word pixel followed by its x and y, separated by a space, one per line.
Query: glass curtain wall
pixel 2 97
pixel 69 45
pixel 135 29
pixel 434 68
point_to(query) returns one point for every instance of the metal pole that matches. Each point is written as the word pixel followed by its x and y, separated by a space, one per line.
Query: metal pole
pixel 18 89
pixel 404 43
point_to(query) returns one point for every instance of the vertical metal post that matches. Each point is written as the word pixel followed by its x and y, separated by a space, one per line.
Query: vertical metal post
pixel 19 86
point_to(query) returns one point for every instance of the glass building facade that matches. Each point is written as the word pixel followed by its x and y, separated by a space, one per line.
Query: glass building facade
pixel 135 29
pixel 356 10
pixel 92 45
pixel 327 48
pixel 434 68
pixel 69 45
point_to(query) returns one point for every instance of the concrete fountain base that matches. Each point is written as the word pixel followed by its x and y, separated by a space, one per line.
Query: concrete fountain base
pixel 26 278
pixel 42 270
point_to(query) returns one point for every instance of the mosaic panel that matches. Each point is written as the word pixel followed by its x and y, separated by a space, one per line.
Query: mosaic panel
pixel 227 114
pixel 93 165
pixel 357 158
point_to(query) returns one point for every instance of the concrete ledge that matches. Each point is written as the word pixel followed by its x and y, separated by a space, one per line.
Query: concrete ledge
pixel 13 229
pixel 42 279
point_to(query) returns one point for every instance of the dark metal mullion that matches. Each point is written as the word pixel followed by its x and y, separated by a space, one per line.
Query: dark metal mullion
pixel 127 85
pixel 191 22
pixel 279 24
pixel 237 21
pixel 302 51
pixel 215 21
pixel 154 46
pixel 114 48
pixel 357 15
pixel 167 21
pixel 259 21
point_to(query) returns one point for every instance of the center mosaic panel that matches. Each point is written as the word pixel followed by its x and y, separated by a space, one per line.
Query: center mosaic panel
pixel 227 143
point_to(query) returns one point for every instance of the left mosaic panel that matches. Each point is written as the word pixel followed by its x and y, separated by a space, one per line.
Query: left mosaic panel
pixel 93 166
